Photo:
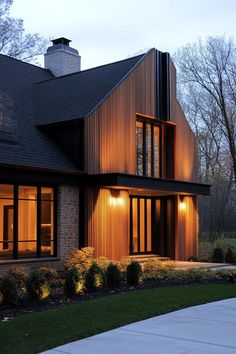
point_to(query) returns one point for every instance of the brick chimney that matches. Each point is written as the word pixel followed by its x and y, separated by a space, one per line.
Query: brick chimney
pixel 61 59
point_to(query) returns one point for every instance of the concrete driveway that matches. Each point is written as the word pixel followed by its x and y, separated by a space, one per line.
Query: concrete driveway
pixel 205 329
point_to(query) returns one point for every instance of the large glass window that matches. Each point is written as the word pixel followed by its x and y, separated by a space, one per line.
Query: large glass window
pixel 6 221
pixel 31 234
pixel 148 147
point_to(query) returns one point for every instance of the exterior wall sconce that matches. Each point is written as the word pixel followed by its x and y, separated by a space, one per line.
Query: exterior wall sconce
pixel 182 205
pixel 115 198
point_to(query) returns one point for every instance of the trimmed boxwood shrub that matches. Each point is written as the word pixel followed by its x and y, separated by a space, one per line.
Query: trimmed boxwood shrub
pixel 74 282
pixel 95 278
pixel 229 257
pixel 133 273
pixel 38 286
pixel 218 255
pixel 20 277
pixel 113 275
pixel 8 290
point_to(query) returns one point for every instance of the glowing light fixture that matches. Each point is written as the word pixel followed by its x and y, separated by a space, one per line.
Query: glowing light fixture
pixel 182 205
pixel 115 199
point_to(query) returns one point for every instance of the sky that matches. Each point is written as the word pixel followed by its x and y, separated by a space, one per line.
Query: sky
pixel 105 31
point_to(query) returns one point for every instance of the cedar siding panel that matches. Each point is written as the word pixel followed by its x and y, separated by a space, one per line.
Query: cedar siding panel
pixel 186 244
pixel 110 130
pixel 185 148
pixel 107 229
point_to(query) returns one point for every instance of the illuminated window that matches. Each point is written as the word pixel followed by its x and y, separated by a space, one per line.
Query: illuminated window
pixel 32 233
pixel 147 148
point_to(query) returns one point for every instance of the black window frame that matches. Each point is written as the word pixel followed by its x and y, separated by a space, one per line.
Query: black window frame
pixel 38 218
pixel 152 122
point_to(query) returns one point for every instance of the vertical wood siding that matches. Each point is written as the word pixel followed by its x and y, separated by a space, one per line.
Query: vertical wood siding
pixel 186 244
pixel 186 168
pixel 110 130
pixel 108 225
pixel 110 147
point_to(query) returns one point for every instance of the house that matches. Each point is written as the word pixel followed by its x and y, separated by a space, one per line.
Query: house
pixel 102 157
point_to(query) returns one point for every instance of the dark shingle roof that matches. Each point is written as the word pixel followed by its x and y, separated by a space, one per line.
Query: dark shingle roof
pixel 29 146
pixel 76 95
pixel 36 97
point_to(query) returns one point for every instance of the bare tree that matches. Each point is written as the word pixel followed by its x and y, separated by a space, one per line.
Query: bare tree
pixel 13 39
pixel 207 91
pixel 208 71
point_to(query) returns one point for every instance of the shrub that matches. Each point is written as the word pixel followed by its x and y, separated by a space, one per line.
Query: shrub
pixel 150 266
pixel 103 262
pixel 9 292
pixel 38 286
pixel 50 274
pixel 82 259
pixel 113 275
pixel 229 257
pixel 95 278
pixel 124 262
pixel 167 265
pixel 20 277
pixel 134 272
pixel 74 282
pixel 218 255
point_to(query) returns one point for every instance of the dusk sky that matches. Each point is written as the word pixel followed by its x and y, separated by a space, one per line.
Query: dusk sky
pixel 104 31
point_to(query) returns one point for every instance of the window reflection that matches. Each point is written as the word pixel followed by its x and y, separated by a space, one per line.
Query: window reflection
pixel 30 240
pixel 148 148
pixel 139 147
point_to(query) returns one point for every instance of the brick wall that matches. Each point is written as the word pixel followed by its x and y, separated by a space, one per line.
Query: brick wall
pixel 68 220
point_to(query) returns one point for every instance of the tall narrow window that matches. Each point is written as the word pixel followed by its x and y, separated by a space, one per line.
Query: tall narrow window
pixel 27 222
pixel 6 221
pixel 139 145
pixel 148 147
pixel 156 151
pixel 47 217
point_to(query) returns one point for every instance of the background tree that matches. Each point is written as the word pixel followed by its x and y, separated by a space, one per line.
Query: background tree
pixel 207 87
pixel 13 39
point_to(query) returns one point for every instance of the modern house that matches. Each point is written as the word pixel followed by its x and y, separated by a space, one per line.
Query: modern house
pixel 102 157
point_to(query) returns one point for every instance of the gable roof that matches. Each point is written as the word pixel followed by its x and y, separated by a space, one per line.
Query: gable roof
pixel 38 98
pixel 76 95
pixel 26 145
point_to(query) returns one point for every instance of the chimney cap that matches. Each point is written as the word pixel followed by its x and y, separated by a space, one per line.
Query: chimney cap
pixel 61 40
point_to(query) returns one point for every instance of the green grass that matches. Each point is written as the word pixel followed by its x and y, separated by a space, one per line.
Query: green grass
pixel 40 331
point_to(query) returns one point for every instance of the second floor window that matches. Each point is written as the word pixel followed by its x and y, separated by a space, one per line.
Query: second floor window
pixel 148 147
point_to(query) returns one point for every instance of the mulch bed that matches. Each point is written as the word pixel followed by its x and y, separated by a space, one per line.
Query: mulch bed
pixel 58 298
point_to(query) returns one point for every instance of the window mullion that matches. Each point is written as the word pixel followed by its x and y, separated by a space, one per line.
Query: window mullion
pixel 15 223
pixel 38 221
pixel 144 149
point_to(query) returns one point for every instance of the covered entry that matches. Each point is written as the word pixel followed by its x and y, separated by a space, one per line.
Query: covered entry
pixel 152 225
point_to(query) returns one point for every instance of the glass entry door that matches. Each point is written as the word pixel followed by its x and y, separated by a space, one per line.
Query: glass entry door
pixel 152 225
pixel 141 225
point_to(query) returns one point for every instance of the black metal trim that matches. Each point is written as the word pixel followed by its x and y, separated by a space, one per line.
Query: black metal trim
pixel 38 226
pixel 55 208
pixel 131 226
pixel 138 226
pixel 15 223
pixel 147 183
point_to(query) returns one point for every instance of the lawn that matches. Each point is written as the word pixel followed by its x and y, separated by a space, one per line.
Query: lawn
pixel 40 331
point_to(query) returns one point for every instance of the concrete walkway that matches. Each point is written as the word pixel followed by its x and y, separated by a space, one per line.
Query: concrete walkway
pixel 205 329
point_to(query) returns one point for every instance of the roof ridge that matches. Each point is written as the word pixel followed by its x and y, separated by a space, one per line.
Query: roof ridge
pixel 121 80
pixel 96 67
pixel 24 62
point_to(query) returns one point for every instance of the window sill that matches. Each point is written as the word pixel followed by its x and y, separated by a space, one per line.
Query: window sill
pixel 29 260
